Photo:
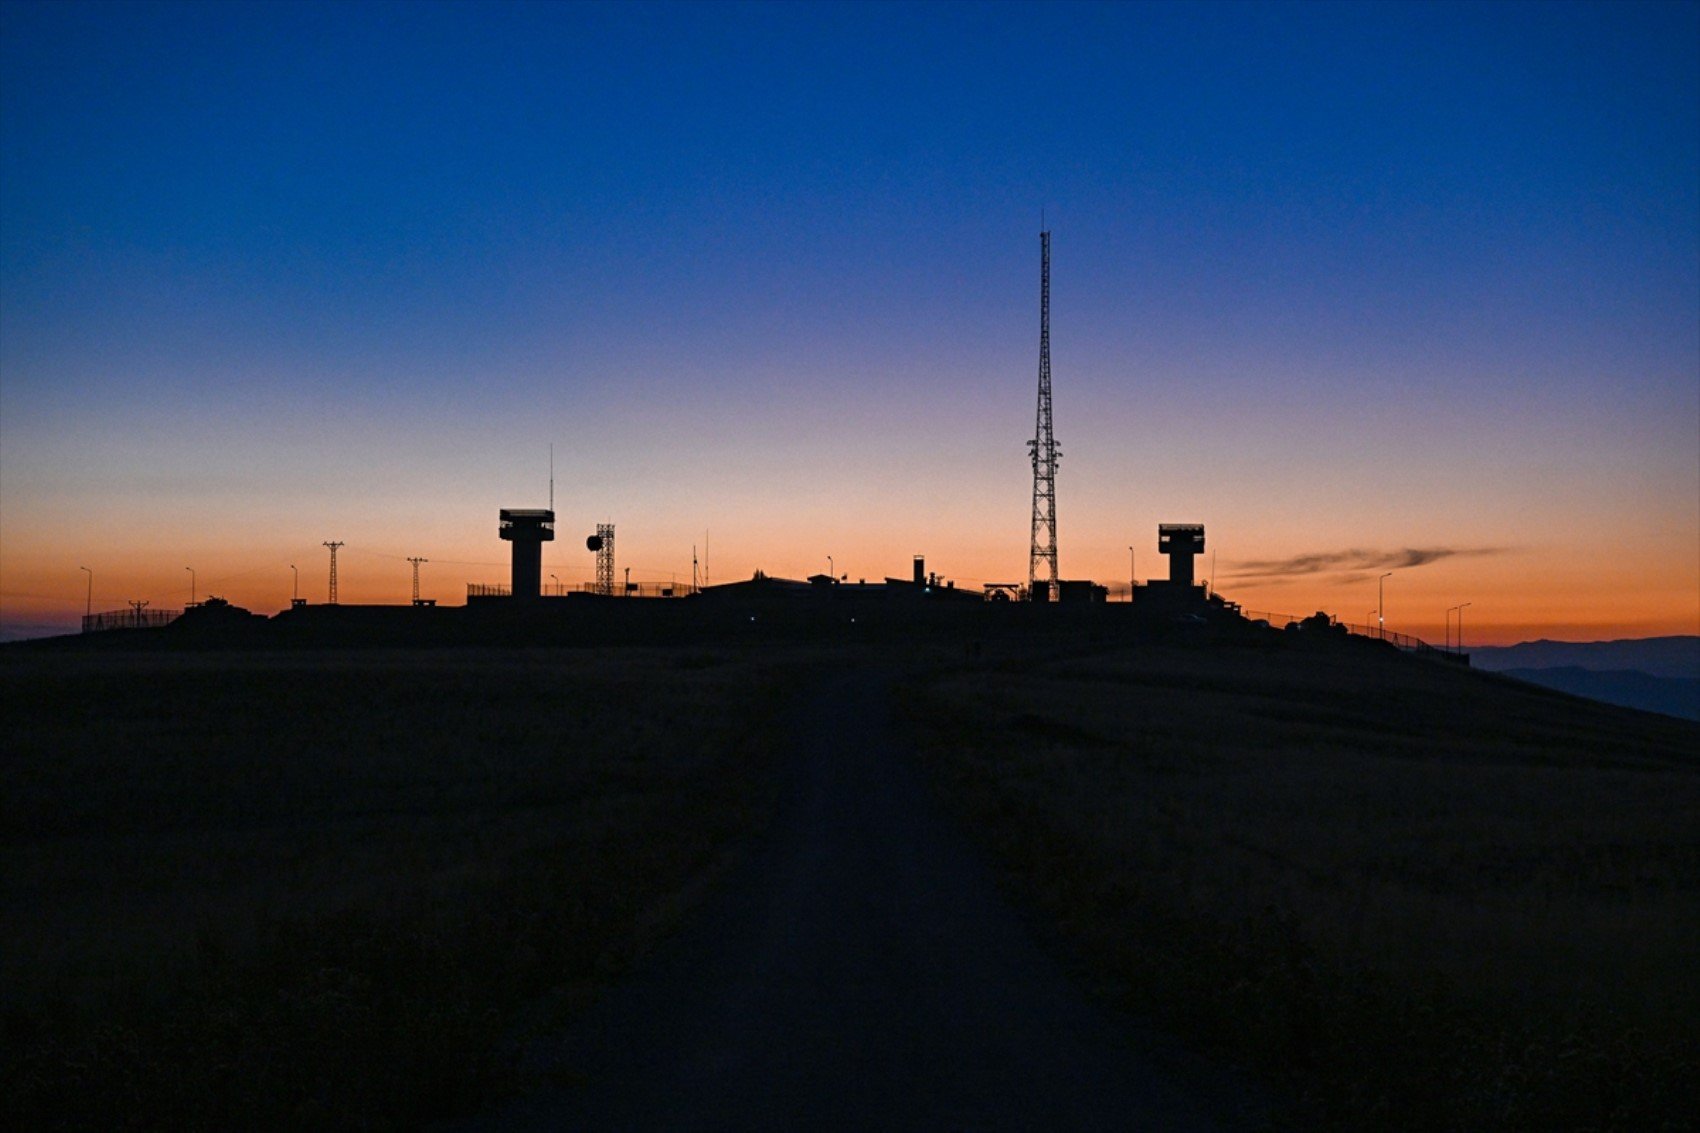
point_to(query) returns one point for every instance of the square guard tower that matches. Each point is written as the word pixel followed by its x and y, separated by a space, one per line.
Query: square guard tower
pixel 528 529
pixel 1181 542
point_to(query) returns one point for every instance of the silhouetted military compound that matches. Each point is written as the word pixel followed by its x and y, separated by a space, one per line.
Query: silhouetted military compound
pixel 823 606
pixel 922 607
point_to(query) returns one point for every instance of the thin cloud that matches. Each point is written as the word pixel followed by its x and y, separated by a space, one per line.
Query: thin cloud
pixel 1351 562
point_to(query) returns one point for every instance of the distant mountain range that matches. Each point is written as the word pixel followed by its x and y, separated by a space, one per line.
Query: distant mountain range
pixel 1659 656
pixel 1656 674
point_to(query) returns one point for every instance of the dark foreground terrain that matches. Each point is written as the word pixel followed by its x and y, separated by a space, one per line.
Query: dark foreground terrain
pixel 320 890
pixel 1414 896
pixel 862 971
pixel 324 890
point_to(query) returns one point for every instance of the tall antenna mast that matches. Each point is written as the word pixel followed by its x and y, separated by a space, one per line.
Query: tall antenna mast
pixel 551 482
pixel 1042 555
pixel 333 547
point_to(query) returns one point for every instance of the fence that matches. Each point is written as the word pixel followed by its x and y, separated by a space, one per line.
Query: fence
pixel 1402 640
pixel 129 619
pixel 562 589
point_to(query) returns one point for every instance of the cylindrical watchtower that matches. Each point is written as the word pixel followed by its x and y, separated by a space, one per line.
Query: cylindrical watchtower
pixel 528 529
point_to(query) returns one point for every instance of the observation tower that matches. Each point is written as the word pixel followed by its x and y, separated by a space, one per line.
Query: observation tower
pixel 528 529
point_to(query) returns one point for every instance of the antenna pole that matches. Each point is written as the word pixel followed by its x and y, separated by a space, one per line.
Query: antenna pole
pixel 333 547
pixel 1042 551
pixel 416 563
pixel 605 559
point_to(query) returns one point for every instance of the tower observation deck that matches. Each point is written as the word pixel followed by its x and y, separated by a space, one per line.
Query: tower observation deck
pixel 1181 542
pixel 528 529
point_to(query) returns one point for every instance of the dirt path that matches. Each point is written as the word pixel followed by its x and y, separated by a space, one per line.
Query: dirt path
pixel 862 970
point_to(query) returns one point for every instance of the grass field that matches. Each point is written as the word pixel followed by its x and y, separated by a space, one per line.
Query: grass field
pixel 1408 896
pixel 316 890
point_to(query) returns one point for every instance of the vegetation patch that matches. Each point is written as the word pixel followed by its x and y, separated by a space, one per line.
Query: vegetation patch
pixel 1409 895
pixel 315 890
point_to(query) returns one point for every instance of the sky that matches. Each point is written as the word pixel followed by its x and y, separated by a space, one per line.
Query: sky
pixel 1362 288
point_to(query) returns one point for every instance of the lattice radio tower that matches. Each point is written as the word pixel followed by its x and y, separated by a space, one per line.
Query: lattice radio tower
pixel 1042 558
pixel 605 558
pixel 416 562
pixel 333 547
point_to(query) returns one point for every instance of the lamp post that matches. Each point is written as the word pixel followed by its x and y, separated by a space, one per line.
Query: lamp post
pixel 557 580
pixel 1132 575
pixel 831 568
pixel 1381 606
pixel 88 605
pixel 1461 627
pixel 295 589
pixel 191 571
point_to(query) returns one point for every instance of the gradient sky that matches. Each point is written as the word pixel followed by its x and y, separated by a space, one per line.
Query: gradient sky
pixel 1358 287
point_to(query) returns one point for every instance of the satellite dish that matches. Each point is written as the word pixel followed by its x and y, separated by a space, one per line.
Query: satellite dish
pixel 594 543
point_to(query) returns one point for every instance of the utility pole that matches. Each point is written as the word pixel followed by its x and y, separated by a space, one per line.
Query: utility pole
pixel 1042 551
pixel 138 605
pixel 333 547
pixel 1381 605
pixel 416 563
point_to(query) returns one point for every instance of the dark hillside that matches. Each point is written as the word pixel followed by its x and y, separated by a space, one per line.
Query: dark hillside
pixel 1413 895
pixel 315 891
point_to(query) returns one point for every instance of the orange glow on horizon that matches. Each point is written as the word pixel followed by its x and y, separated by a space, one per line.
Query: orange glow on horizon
pixel 1508 601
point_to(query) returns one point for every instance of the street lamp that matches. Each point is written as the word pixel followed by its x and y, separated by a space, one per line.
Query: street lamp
pixel 831 568
pixel 88 608
pixel 1381 605
pixel 1132 575
pixel 191 571
pixel 1461 627
pixel 557 579
pixel 295 590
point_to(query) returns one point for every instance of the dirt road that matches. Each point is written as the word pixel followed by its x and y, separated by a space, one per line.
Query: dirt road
pixel 862 970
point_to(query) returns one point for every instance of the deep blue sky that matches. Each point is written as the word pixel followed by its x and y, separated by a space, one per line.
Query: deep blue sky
pixel 1327 277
